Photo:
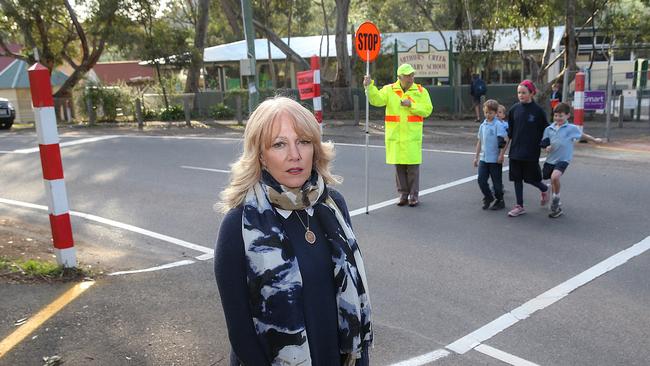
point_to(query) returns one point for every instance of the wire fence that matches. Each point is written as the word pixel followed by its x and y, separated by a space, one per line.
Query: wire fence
pixel 113 105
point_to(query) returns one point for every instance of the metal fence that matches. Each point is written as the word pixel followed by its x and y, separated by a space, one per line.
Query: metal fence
pixel 340 103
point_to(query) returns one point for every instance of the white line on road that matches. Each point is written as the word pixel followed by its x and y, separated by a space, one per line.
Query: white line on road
pixel 424 359
pixel 475 339
pixel 69 143
pixel 121 225
pixel 503 356
pixel 184 138
pixel 165 266
pixel 206 169
pixel 439 188
pixel 428 150
pixel 547 298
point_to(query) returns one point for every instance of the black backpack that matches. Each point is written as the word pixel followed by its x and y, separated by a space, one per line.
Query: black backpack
pixel 479 87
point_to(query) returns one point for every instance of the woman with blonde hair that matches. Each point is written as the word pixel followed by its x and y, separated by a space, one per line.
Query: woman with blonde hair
pixel 290 274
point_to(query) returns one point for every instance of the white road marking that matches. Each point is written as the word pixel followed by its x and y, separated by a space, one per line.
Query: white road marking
pixel 69 143
pixel 503 356
pixel 425 192
pixel 183 137
pixel 428 150
pixel 121 225
pixel 152 269
pixel 475 339
pixel 206 169
pixel 547 298
pixel 424 359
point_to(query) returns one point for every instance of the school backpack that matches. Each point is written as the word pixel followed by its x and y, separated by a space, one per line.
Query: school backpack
pixel 479 87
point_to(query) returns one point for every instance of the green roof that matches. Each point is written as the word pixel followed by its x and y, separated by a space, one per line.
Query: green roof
pixel 15 76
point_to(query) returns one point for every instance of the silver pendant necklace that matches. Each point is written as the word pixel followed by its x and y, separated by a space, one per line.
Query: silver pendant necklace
pixel 310 237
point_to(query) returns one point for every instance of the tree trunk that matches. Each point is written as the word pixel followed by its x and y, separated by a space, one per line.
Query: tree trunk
pixel 339 99
pixel 233 14
pixel 194 72
pixel 277 41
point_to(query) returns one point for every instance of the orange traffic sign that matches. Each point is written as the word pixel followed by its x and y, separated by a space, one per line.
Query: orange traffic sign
pixel 367 41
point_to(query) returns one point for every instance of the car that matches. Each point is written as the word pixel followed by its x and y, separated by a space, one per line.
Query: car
pixel 7 114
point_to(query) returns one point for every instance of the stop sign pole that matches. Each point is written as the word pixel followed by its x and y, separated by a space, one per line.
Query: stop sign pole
pixel 367 42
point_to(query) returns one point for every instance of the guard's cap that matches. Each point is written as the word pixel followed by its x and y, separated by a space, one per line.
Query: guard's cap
pixel 405 69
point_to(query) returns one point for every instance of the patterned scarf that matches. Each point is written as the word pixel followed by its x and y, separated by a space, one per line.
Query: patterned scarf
pixel 274 280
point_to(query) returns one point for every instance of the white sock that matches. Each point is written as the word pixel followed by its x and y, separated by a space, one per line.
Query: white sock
pixel 556 195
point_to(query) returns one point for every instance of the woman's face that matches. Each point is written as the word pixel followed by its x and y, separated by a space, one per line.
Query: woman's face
pixel 289 158
pixel 524 95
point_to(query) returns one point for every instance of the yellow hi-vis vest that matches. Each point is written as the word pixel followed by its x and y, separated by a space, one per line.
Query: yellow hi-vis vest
pixel 403 125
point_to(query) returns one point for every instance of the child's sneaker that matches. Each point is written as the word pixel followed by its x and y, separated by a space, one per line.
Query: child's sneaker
pixel 486 202
pixel 555 204
pixel 517 211
pixel 544 198
pixel 556 213
pixel 498 205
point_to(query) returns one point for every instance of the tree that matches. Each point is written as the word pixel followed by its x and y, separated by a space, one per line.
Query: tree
pixel 160 41
pixel 58 34
pixel 200 29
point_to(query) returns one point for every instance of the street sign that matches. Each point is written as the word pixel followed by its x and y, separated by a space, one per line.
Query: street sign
pixel 629 98
pixel 305 84
pixel 367 41
pixel 594 100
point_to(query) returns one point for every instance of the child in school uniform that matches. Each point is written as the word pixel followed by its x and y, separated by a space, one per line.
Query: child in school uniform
pixel 501 115
pixel 490 152
pixel 558 140
pixel 526 124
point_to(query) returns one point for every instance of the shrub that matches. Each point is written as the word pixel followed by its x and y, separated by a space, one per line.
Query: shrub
pixel 221 111
pixel 173 113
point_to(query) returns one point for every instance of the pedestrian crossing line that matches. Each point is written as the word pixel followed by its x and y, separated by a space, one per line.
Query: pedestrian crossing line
pixel 475 339
pixel 503 356
pixel 153 269
pixel 42 316
pixel 121 225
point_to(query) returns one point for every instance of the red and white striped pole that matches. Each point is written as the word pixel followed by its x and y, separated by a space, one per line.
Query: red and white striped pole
pixel 48 144
pixel 318 106
pixel 579 101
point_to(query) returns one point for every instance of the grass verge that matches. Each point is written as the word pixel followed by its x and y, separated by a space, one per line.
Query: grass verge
pixel 33 270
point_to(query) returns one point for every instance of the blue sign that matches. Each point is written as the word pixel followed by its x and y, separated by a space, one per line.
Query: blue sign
pixel 594 99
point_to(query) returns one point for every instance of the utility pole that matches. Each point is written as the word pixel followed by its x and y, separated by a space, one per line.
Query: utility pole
pixel 249 33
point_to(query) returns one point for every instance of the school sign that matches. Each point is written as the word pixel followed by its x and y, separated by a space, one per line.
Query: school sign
pixel 427 61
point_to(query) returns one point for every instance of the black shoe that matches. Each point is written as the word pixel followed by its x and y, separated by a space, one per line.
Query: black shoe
pixel 487 202
pixel 498 205
pixel 402 201
pixel 413 202
pixel 555 214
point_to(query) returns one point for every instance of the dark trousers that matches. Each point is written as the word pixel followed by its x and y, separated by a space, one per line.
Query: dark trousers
pixel 493 171
pixel 407 178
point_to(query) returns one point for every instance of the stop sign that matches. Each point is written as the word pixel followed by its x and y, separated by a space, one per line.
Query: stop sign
pixel 367 41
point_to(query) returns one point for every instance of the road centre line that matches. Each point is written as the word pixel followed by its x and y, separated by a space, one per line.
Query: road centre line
pixel 206 169
pixel 69 143
pixel 152 269
pixel 503 356
pixel 199 248
pixel 42 316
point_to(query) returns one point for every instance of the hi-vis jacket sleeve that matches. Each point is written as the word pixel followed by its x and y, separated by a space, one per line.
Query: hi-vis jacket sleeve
pixel 376 97
pixel 422 106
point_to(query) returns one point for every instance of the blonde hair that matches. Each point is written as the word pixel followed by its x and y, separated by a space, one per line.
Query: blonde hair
pixel 491 105
pixel 502 107
pixel 247 170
